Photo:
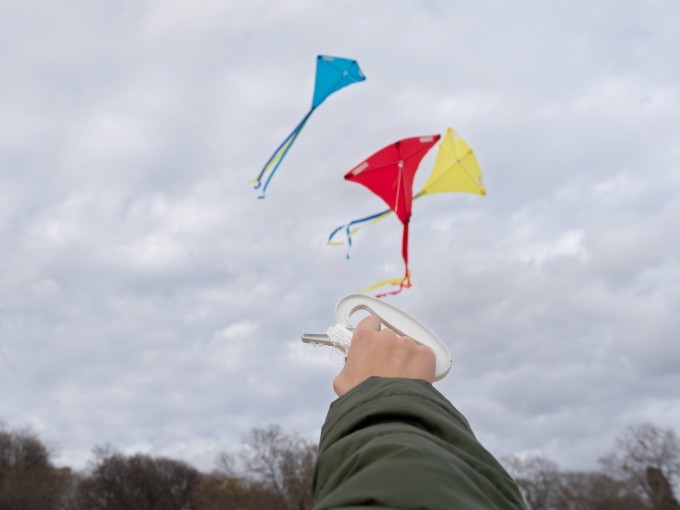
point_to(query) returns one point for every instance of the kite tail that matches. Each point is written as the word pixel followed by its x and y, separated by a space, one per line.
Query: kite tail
pixel 349 231
pixel 404 245
pixel 374 218
pixel 400 283
pixel 275 160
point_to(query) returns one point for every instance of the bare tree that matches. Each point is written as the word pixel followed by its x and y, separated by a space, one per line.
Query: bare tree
pixel 28 480
pixel 538 480
pixel 283 464
pixel 139 481
pixel 545 487
pixel 217 492
pixel 595 491
pixel 639 448
pixel 662 493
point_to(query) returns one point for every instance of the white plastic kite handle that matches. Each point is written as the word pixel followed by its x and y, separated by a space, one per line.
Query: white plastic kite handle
pixel 393 318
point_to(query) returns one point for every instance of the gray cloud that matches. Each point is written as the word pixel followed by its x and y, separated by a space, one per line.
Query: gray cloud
pixel 151 301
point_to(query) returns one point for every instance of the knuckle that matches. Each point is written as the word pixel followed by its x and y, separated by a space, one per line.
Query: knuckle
pixel 425 351
pixel 387 334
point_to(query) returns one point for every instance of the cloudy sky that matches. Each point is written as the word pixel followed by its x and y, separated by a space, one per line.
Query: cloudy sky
pixel 150 301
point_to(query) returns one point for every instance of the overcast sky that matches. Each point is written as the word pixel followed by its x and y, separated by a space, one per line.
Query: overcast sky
pixel 150 301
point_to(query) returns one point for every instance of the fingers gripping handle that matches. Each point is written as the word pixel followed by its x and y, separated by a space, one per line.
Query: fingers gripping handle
pixel 398 321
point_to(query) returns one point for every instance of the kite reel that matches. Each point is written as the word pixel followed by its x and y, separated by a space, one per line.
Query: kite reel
pixel 340 335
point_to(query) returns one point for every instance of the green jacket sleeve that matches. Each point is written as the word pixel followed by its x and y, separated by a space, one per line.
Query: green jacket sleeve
pixel 399 444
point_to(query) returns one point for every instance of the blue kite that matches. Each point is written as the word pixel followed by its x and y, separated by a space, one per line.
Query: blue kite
pixel 332 74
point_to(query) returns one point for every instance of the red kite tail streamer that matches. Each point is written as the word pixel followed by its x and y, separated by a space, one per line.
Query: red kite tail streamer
pixel 405 282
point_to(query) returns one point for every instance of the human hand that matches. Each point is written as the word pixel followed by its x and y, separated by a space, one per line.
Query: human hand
pixel 376 352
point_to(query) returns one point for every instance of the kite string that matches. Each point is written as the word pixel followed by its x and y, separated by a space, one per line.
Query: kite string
pixel 340 336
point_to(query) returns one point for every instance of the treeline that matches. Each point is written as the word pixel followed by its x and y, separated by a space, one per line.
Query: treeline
pixel 274 472
pixel 639 474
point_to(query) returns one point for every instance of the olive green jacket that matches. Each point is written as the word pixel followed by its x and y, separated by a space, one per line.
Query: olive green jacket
pixel 399 444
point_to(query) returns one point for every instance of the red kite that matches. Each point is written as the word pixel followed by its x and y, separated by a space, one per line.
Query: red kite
pixel 389 174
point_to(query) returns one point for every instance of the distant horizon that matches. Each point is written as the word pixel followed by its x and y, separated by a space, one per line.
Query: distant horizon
pixel 242 448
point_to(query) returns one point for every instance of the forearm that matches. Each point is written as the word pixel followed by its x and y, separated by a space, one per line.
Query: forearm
pixel 398 443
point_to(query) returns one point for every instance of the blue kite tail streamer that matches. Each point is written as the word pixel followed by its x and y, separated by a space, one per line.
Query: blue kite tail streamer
pixel 330 237
pixel 287 143
pixel 348 229
pixel 295 130
pixel 258 185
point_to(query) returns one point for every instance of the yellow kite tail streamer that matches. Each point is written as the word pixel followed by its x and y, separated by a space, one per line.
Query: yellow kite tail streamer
pixel 349 232
pixel 374 219
pixel 401 283
pixel 272 165
pixel 274 160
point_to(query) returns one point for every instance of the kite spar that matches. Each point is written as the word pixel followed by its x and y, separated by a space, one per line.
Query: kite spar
pixel 332 74
pixel 389 174
pixel 456 170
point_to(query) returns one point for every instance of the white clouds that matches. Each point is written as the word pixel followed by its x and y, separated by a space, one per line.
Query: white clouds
pixel 177 16
pixel 149 300
pixel 567 244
